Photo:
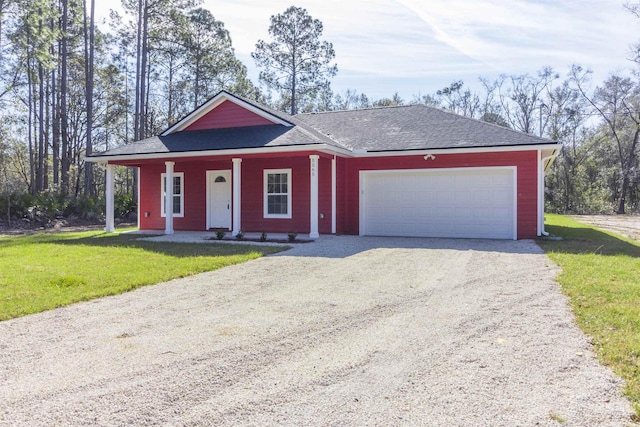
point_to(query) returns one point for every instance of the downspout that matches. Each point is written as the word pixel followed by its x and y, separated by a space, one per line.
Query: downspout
pixel 541 173
pixel 333 195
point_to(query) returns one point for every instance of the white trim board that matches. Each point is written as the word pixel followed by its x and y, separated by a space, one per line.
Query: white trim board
pixel 265 195
pixel 467 150
pixel 324 148
pixel 162 194
pixel 208 176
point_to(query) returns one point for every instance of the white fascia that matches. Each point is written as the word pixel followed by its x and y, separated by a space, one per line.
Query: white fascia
pixel 324 148
pixel 231 152
pixel 364 153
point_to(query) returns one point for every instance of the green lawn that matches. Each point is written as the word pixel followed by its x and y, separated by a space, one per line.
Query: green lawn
pixel 47 270
pixel 601 276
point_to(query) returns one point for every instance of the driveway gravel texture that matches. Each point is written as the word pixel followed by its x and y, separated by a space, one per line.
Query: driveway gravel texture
pixel 346 331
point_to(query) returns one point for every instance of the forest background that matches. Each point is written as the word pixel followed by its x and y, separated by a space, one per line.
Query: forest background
pixel 69 87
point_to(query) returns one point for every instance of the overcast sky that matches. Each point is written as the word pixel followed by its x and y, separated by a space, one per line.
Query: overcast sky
pixel 420 46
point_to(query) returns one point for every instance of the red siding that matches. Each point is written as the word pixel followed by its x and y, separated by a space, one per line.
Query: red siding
pixel 525 161
pixel 324 195
pixel 347 196
pixel 149 208
pixel 195 197
pixel 252 169
pixel 253 195
pixel 228 115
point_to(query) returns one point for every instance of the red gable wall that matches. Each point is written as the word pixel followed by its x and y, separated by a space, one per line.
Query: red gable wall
pixel 228 115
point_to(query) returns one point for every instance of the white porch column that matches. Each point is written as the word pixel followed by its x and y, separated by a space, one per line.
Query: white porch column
pixel 138 194
pixel 109 226
pixel 541 174
pixel 313 232
pixel 236 196
pixel 168 201
pixel 540 193
pixel 333 195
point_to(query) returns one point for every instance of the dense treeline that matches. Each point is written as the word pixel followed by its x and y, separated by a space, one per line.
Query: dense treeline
pixel 69 86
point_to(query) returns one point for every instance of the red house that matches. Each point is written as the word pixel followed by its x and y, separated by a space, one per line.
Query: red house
pixel 395 171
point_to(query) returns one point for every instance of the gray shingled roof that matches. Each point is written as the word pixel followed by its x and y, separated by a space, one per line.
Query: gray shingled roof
pixel 412 127
pixel 221 139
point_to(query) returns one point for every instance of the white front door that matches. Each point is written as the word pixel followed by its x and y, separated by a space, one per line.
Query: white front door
pixel 219 199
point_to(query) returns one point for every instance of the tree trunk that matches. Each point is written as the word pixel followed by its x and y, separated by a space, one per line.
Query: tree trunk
pixel 138 100
pixel 40 157
pixel 89 52
pixel 55 125
pixel 294 76
pixel 170 100
pixel 143 74
pixel 196 79
pixel 32 178
pixel 623 194
pixel 47 135
pixel 293 93
pixel 627 165
pixel 66 161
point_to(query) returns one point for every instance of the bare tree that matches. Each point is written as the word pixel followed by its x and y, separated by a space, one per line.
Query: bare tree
pixel 520 97
pixel 457 100
pixel 617 102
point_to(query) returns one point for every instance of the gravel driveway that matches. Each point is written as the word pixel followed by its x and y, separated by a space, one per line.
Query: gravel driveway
pixel 344 331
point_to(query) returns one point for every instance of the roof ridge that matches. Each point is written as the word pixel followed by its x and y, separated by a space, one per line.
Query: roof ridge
pixel 381 107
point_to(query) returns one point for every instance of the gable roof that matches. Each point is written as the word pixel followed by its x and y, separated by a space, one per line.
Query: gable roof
pixel 218 99
pixel 351 132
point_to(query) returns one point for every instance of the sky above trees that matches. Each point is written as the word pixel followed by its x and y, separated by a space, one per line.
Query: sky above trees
pixel 414 46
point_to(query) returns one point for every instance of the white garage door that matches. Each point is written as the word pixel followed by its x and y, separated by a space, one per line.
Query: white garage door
pixel 465 203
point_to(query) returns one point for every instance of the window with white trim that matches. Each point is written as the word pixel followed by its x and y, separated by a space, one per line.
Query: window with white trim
pixel 277 193
pixel 178 194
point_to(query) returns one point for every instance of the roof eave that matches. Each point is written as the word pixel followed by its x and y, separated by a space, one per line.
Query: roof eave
pixel 226 152
pixel 456 150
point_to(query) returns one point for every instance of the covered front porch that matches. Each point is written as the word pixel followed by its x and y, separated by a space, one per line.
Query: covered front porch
pixel 234 194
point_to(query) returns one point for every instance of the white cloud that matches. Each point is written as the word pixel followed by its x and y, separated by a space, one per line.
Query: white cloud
pixel 508 34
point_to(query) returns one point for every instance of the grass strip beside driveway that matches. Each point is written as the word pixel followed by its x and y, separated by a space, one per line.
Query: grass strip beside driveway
pixel 47 270
pixel 601 276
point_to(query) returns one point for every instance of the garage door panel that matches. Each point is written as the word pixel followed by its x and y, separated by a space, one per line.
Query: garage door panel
pixel 452 203
pixel 462 198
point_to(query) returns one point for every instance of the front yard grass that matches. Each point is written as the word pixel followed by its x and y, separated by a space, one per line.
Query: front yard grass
pixel 47 270
pixel 601 276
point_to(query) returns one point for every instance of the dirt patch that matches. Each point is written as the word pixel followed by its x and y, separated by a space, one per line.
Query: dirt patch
pixel 20 229
pixel 626 225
